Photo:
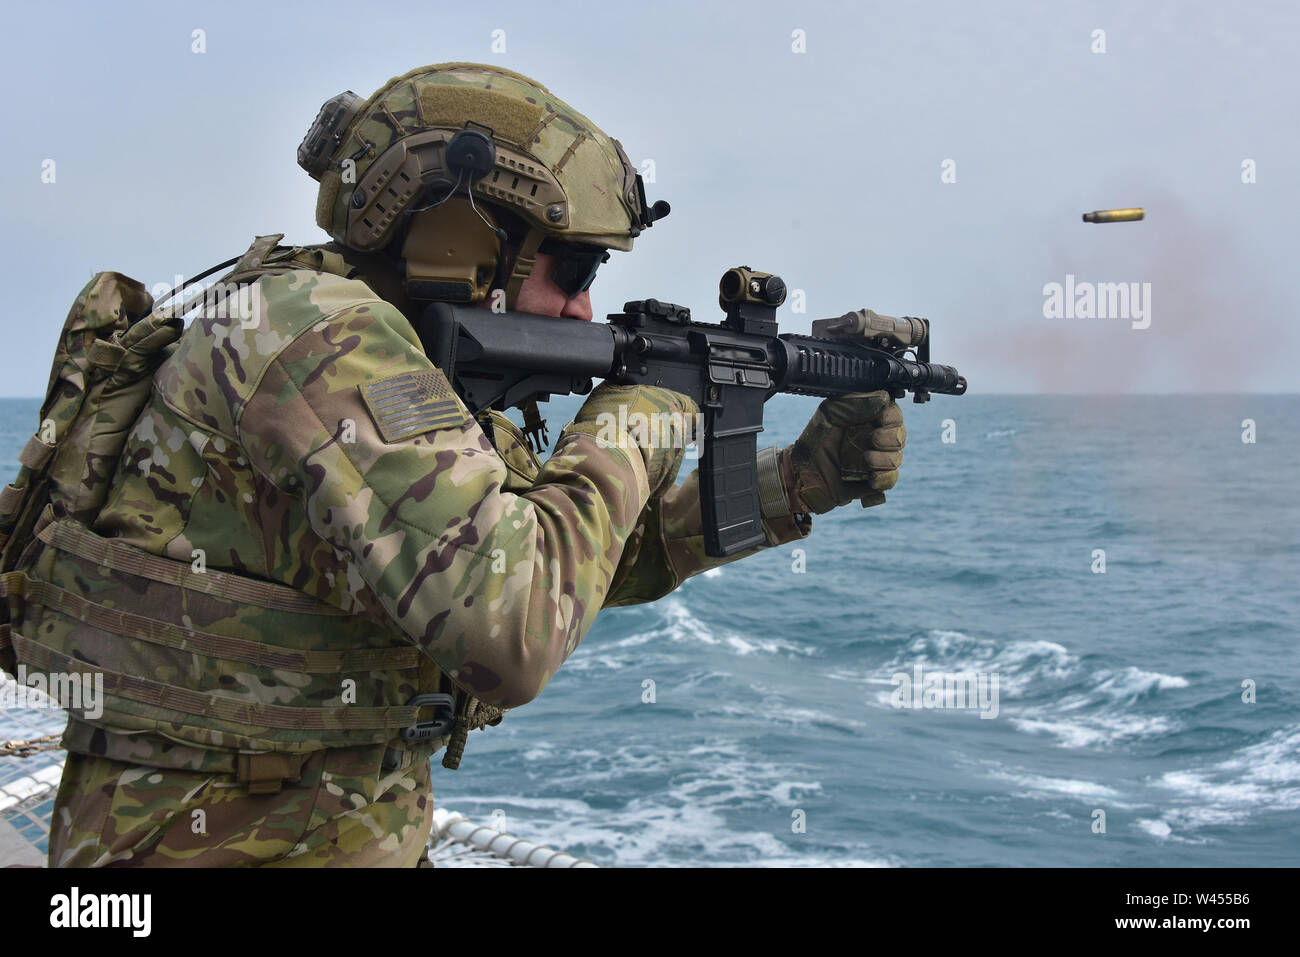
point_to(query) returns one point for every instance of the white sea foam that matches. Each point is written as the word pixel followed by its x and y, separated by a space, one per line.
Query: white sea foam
pixel 1094 715
pixel 564 806
pixel 1090 718
pixel 695 679
pixel 1262 777
pixel 844 674
pixel 954 652
pixel 691 818
pixel 1072 787
pixel 1155 828
pixel 633 640
pixel 1097 730
pixel 1020 664
pixel 539 752
pixel 594 661
pixel 680 626
pixel 1130 683
pixel 769 706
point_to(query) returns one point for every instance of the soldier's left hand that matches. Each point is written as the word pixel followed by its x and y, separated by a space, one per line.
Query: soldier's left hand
pixel 851 449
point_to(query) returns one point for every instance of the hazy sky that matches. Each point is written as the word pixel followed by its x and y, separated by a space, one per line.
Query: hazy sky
pixel 823 166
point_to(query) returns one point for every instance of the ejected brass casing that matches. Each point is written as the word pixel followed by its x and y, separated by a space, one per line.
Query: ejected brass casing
pixel 1114 215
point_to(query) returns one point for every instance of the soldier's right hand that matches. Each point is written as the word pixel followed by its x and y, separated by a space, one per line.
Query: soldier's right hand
pixel 657 423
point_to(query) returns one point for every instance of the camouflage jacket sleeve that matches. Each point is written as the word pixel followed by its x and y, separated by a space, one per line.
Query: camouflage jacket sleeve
pixel 497 588
pixel 667 546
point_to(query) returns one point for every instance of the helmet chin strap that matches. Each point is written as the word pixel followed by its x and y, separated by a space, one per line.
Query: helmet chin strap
pixel 525 261
pixel 520 267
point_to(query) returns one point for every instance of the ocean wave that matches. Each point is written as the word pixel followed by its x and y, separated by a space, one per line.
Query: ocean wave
pixel 688 817
pixel 1097 714
pixel 968 576
pixel 678 626
pixel 539 752
pixel 772 710
pixel 487 803
pixel 1083 708
pixel 1261 777
pixel 1272 548
pixel 1131 683
pixel 592 661
pixel 1111 529
pixel 1019 664
pixel 1094 731
pixel 1039 784
pixel 1155 828
pixel 1023 664
pixel 681 626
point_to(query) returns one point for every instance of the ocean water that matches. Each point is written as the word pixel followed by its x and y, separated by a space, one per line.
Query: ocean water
pixel 773 737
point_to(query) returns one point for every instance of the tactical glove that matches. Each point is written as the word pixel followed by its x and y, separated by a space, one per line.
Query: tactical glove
pixel 851 449
pixel 656 423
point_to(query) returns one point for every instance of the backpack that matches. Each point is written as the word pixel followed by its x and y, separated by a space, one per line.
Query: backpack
pixel 112 343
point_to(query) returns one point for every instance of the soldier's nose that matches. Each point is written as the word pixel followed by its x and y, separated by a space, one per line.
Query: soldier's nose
pixel 579 307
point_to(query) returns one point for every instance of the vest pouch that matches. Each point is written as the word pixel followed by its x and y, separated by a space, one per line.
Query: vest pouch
pixel 187 656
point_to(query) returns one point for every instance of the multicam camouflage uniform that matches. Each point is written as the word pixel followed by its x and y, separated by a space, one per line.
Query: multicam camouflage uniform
pixel 306 530
pixel 267 452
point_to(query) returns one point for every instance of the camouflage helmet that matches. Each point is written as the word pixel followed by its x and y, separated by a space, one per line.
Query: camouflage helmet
pixel 462 127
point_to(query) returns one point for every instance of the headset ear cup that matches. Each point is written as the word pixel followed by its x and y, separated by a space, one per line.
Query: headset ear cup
pixel 449 253
pixel 471 153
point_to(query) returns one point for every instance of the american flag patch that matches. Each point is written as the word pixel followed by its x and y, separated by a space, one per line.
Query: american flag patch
pixel 412 403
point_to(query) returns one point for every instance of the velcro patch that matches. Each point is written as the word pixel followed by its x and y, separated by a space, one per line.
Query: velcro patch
pixel 412 403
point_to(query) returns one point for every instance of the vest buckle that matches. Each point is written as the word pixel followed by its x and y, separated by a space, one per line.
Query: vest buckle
pixel 444 717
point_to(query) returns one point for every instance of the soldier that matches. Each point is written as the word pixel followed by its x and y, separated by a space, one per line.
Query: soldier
pixel 308 536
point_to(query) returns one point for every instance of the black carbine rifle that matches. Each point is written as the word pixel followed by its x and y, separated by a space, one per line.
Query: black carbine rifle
pixel 499 360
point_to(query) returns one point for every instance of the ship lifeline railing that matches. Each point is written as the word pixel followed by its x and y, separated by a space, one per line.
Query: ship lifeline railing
pixel 458 841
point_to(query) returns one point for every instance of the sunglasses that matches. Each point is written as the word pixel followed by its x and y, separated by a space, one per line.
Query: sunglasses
pixel 576 264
